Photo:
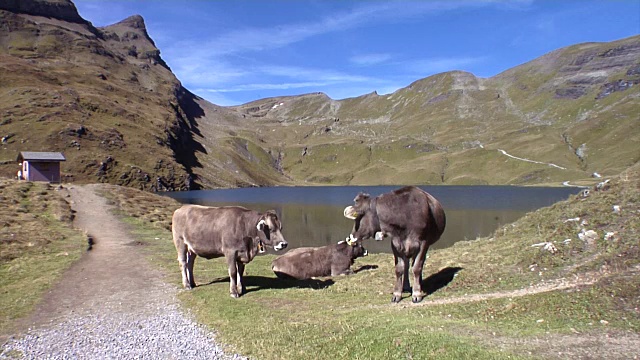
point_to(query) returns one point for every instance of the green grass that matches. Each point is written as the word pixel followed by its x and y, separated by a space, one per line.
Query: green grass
pixel 351 316
pixel 476 307
pixel 37 244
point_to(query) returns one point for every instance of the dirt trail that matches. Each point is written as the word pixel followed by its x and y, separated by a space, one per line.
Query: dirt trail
pixel 110 277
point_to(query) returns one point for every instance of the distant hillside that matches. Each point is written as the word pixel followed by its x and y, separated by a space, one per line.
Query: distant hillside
pixel 110 103
pixel 576 107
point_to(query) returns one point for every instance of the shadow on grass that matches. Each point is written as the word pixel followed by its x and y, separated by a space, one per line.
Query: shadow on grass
pixel 365 268
pixel 255 283
pixel 439 280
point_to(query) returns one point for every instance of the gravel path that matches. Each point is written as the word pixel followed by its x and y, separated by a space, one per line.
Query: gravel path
pixel 111 304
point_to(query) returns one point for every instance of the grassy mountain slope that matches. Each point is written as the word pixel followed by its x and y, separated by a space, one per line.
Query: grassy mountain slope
pixel 106 98
pixel 575 107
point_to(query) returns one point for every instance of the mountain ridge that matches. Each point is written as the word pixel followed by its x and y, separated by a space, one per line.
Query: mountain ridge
pixel 106 98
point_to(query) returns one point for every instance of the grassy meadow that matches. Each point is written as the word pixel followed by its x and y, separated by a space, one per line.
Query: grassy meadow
pixel 490 298
pixel 37 243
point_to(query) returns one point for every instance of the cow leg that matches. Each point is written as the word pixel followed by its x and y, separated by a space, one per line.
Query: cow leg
pixel 191 259
pixel 339 270
pixel 402 263
pixel 182 261
pixel 418 263
pixel 233 275
pixel 240 285
pixel 406 286
pixel 186 259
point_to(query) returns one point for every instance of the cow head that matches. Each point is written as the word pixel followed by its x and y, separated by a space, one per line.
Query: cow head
pixel 354 248
pixel 270 231
pixel 366 223
pixel 358 251
pixel 361 203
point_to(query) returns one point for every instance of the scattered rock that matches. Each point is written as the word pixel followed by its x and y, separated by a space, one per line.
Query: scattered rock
pixel 588 236
pixel 610 88
pixel 548 246
pixel 602 186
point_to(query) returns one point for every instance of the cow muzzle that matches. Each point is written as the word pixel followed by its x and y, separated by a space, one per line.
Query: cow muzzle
pixel 281 245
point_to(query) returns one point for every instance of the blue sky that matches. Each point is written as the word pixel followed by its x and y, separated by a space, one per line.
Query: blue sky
pixel 233 52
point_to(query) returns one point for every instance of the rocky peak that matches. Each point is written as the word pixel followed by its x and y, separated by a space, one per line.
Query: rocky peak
pixel 59 9
pixel 130 29
pixel 134 21
pixel 130 37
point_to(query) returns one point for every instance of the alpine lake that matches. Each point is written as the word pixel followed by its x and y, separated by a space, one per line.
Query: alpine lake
pixel 313 216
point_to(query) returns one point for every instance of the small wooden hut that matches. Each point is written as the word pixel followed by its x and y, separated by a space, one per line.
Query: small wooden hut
pixel 40 166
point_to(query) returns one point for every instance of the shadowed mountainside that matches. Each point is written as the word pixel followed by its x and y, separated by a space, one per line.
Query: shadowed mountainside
pixel 107 100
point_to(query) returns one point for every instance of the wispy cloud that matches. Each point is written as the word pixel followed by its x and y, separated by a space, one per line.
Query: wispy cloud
pixel 369 59
pixel 311 73
pixel 253 39
pixel 307 77
pixel 210 73
pixel 267 86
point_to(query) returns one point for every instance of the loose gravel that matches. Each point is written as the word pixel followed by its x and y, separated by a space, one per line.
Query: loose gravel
pixel 111 304
pixel 168 334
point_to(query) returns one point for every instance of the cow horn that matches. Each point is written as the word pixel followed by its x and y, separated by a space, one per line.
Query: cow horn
pixel 260 225
pixel 350 213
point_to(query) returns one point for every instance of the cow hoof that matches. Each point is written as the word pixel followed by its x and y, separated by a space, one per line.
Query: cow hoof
pixel 396 298
pixel 416 299
pixel 235 296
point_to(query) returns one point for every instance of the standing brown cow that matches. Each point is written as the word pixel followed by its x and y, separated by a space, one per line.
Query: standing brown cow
pixel 234 232
pixel 412 218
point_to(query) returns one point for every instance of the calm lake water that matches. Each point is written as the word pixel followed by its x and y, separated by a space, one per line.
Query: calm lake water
pixel 312 216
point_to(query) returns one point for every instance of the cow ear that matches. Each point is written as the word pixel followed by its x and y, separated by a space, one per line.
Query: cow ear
pixel 261 225
pixel 350 213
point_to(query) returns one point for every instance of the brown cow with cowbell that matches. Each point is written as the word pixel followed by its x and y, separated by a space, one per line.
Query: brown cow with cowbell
pixel 412 219
pixel 234 232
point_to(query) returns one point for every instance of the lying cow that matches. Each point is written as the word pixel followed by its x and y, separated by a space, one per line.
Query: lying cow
pixel 234 232
pixel 412 218
pixel 307 262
